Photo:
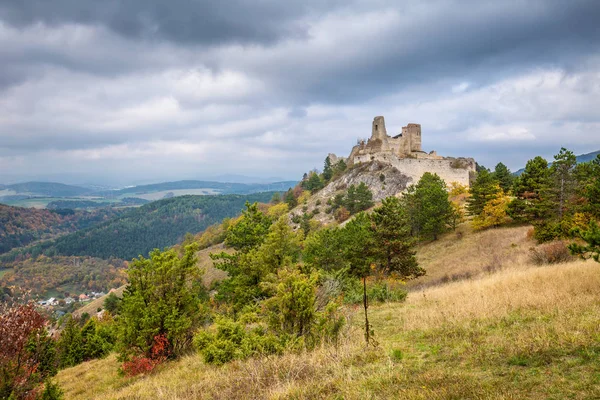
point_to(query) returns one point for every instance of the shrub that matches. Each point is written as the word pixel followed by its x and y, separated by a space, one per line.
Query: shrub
pixel 551 253
pixel 143 364
pixel 342 214
pixel 232 341
pixel 51 391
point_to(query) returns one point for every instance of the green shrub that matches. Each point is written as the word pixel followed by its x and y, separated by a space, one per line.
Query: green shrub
pixel 233 341
pixel 52 391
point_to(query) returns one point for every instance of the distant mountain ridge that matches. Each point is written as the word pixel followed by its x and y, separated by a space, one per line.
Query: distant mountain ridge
pixel 223 187
pixel 580 159
pixel 51 189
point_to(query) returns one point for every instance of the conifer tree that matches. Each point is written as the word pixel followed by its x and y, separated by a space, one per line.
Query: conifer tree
pixel 484 189
pixel 564 180
pixel 592 237
pixel 163 298
pixel 504 177
pixel 327 170
pixel 429 208
pixel 533 192
pixel 393 243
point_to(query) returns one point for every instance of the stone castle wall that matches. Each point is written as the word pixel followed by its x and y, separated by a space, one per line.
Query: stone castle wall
pixel 449 169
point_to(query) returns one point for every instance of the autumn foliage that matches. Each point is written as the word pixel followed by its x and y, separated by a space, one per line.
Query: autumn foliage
pixel 25 351
pixel 143 364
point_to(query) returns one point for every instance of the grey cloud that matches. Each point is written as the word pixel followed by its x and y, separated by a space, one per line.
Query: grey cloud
pixel 206 22
pixel 277 85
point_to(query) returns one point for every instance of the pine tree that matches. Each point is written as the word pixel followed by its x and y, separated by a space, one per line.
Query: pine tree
pixel 564 180
pixel 163 298
pixel 358 198
pixel 327 170
pixel 484 189
pixel 504 177
pixel 393 243
pixel 592 237
pixel 430 210
pixel 249 231
pixel 70 344
pixel 358 244
pixel 532 189
pixel 290 199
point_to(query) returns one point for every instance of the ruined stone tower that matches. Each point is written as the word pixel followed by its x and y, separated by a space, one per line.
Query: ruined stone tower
pixel 404 152
pixel 379 131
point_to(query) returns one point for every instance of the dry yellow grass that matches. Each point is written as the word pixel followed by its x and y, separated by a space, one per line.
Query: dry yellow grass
pixel 519 332
pixel 465 253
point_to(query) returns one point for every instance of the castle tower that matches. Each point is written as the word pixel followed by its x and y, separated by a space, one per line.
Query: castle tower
pixel 379 131
pixel 414 133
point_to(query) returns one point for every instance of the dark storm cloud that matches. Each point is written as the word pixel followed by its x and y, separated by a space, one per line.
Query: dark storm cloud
pixel 276 84
pixel 198 22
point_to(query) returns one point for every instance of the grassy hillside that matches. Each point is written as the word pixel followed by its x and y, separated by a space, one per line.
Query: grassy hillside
pixel 513 331
pixel 139 230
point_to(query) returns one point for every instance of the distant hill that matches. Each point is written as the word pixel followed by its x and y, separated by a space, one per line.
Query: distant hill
pixel 138 230
pixel 220 187
pixel 580 159
pixel 49 189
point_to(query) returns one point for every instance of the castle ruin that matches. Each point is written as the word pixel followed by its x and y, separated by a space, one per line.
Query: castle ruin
pixel 404 152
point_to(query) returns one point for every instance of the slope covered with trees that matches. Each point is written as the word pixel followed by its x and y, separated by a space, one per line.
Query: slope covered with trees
pixel 139 230
pixel 21 226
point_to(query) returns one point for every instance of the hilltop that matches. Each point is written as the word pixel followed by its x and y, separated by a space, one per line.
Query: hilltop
pixel 504 332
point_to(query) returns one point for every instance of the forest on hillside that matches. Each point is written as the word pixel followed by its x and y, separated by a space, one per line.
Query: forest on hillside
pixel 22 226
pixel 139 230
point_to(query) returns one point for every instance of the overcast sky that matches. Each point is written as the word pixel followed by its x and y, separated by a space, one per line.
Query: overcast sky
pixel 123 92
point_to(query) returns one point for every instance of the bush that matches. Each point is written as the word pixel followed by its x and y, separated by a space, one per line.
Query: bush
pixel 342 214
pixel 232 341
pixel 51 391
pixel 551 253
pixel 143 364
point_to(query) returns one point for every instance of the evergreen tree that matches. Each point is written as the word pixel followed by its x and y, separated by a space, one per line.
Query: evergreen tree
pixel 564 180
pixel 532 189
pixel 592 237
pixel 314 183
pixel 504 177
pixel 248 270
pixel 393 244
pixel 430 211
pixel 327 170
pixel 484 189
pixel 358 198
pixel 70 344
pixel 249 231
pixel 323 250
pixel 290 199
pixel 164 297
pixel 358 244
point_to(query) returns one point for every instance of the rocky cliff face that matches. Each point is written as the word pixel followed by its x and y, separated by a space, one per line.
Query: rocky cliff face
pixel 382 179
